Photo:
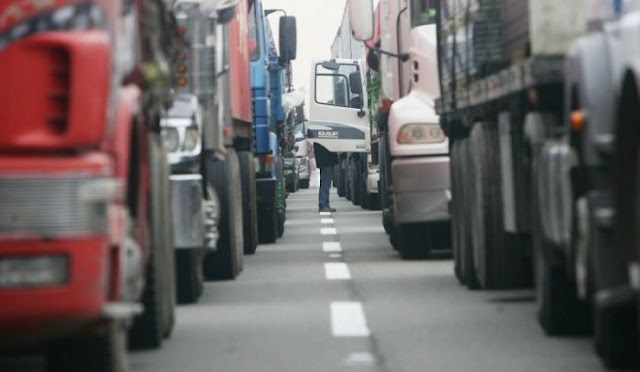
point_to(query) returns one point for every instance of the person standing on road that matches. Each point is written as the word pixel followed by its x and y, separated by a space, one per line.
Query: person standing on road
pixel 325 160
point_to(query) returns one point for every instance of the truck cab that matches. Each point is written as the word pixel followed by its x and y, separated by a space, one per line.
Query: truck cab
pixel 413 149
pixel 338 120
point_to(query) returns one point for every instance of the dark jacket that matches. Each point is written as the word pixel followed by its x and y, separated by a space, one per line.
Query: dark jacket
pixel 324 157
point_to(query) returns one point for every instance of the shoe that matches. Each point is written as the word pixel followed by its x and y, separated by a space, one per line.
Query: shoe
pixel 327 209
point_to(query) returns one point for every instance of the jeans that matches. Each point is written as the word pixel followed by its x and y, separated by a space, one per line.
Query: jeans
pixel 326 176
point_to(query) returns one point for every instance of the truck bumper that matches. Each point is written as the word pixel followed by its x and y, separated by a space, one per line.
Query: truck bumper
pixel 266 190
pixel 421 189
pixel 33 314
pixel 188 211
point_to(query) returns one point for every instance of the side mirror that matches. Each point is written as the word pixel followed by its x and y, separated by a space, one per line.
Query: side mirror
pixel 331 65
pixel 288 38
pixel 361 19
pixel 355 82
pixel 226 15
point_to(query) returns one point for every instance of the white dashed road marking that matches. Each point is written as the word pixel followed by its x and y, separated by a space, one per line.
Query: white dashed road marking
pixel 335 255
pixel 362 359
pixel 326 221
pixel 328 231
pixel 325 213
pixel 337 271
pixel 348 320
pixel 331 247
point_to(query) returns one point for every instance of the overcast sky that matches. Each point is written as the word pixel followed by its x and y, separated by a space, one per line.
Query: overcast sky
pixel 318 23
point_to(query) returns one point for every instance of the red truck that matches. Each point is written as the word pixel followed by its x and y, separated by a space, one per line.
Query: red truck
pixel 84 193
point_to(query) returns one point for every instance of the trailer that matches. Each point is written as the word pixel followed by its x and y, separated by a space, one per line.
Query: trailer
pixel 540 101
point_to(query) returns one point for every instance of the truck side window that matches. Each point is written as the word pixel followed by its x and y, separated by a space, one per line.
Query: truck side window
pixel 332 86
pixel 423 12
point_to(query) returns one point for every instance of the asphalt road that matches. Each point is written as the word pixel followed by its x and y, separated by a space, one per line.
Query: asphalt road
pixel 332 295
pixel 304 305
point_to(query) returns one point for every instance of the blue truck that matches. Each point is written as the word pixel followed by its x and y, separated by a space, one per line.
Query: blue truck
pixel 268 69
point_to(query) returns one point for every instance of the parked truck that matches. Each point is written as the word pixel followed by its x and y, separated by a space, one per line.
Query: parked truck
pixel 557 104
pixel 201 132
pixel 357 175
pixel 540 100
pixel 194 136
pixel 84 187
pixel 293 102
pixel 302 149
pixel 413 151
pixel 268 68
pixel 338 119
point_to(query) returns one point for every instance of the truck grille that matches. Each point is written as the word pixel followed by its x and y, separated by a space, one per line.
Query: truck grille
pixel 49 207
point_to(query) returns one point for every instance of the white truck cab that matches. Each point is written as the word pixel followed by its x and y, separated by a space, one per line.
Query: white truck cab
pixel 337 117
pixel 414 151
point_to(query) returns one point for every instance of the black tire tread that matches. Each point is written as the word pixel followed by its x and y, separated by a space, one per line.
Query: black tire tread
pixel 225 179
pixel 250 213
pixel 190 280
pixel 499 263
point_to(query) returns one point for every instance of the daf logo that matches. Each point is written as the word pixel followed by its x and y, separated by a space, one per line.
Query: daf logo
pixel 327 134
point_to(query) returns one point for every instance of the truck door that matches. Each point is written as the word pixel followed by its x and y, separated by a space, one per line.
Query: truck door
pixel 338 119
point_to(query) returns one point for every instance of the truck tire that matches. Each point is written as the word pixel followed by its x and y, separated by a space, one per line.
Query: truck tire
pixel 170 274
pixel 465 218
pixel 498 264
pixel 456 211
pixel 615 336
pixel 559 310
pixel 104 352
pixel 348 180
pixel 374 201
pixel 224 177
pixel 190 277
pixel 249 203
pixel 617 327
pixel 384 197
pixel 303 184
pixel 282 203
pixel 365 200
pixel 413 241
pixel 341 180
pixel 267 223
pixel 355 182
pixel 158 297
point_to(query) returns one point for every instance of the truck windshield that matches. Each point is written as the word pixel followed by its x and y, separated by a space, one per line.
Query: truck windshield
pixel 254 41
pixel 332 86
pixel 423 12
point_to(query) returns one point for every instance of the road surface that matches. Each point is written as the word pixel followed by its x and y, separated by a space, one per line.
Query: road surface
pixel 332 295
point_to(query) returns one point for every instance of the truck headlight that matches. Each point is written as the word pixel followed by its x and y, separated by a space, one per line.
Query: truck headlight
pixel 414 134
pixel 171 139
pixel 33 271
pixel 192 139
